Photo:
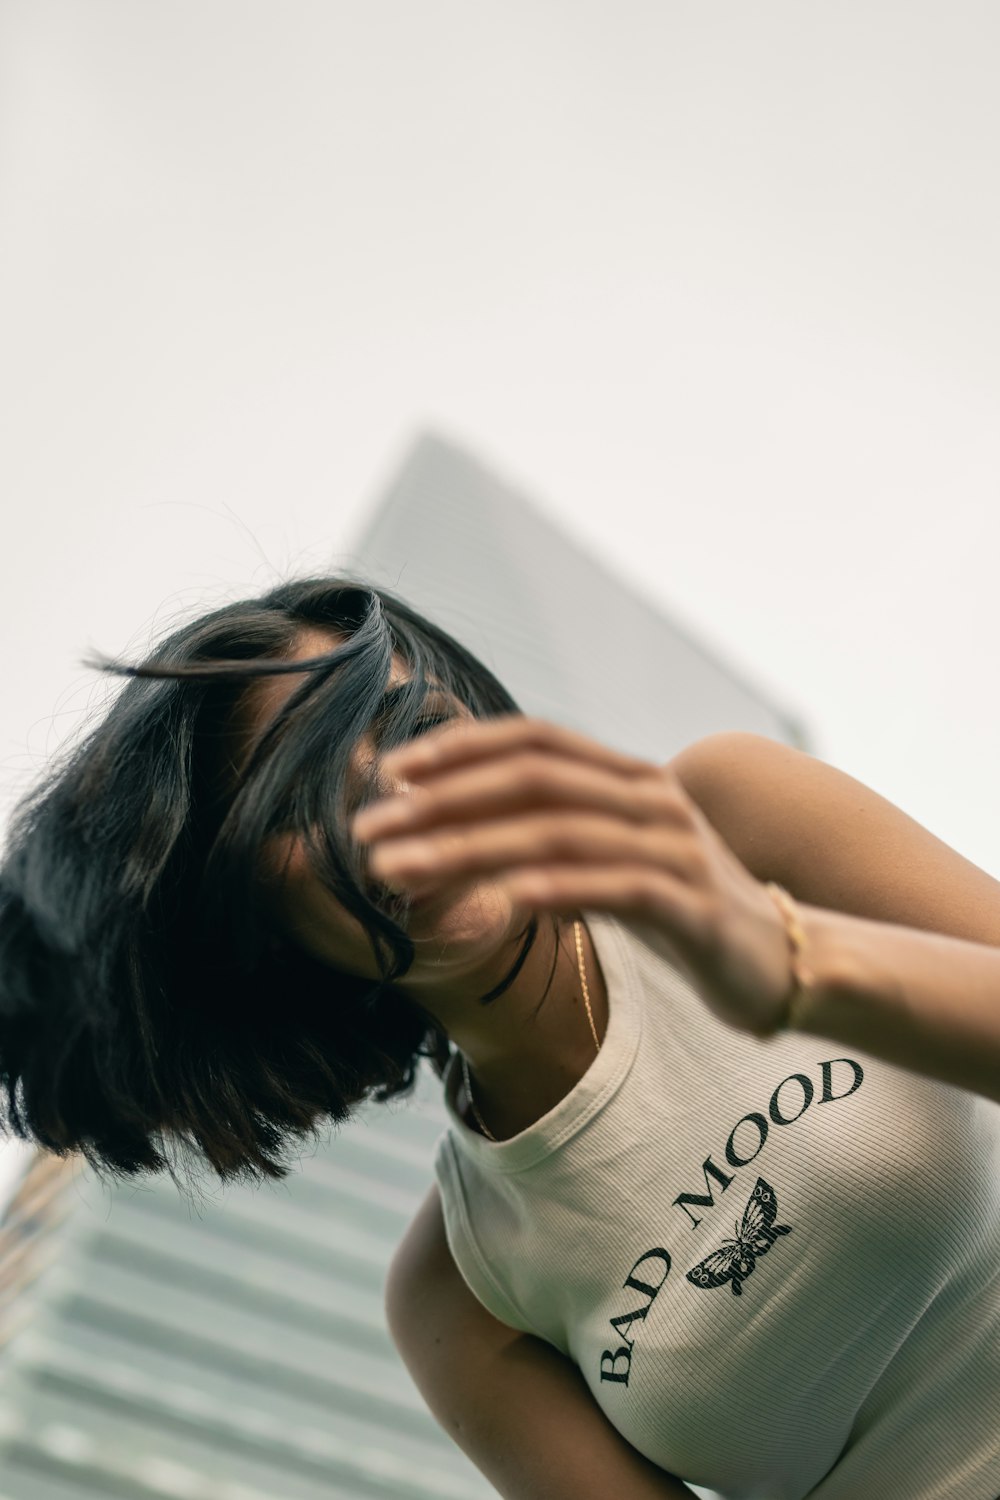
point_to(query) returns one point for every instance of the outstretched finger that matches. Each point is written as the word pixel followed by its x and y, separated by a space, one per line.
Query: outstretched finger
pixel 506 843
pixel 666 911
pixel 465 741
pixel 524 780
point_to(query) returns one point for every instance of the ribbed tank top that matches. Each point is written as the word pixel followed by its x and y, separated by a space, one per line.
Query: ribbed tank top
pixel 776 1262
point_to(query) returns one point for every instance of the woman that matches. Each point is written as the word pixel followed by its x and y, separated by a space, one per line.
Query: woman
pixel 209 936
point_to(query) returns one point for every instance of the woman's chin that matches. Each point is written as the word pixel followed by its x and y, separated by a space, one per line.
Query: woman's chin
pixel 460 911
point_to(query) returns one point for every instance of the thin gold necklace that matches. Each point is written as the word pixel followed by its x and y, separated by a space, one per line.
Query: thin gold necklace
pixel 590 1017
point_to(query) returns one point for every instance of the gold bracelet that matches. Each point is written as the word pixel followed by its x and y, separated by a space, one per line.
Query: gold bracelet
pixel 802 975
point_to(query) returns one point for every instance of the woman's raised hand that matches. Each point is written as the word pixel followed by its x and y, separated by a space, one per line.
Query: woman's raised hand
pixel 564 823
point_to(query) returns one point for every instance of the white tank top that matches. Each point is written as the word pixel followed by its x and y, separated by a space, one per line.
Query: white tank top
pixel 776 1263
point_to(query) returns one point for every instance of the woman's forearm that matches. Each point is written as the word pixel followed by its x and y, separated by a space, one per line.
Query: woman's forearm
pixel 918 999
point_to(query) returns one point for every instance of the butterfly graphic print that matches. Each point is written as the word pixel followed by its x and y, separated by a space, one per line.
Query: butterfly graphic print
pixel 736 1258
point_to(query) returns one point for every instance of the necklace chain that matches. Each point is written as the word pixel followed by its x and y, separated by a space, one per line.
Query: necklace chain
pixel 590 1017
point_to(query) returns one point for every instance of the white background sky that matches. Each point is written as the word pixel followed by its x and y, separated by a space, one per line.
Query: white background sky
pixel 717 283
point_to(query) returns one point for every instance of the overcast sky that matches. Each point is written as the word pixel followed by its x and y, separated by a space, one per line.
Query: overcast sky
pixel 716 283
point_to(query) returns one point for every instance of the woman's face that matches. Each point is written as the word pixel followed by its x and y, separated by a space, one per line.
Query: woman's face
pixel 454 925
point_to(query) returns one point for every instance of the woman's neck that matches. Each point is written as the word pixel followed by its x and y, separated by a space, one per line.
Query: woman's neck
pixel 524 1058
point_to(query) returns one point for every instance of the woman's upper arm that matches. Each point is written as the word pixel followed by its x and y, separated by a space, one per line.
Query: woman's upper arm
pixel 831 840
pixel 519 1409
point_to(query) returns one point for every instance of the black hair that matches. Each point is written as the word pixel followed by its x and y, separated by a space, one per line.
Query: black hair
pixel 147 995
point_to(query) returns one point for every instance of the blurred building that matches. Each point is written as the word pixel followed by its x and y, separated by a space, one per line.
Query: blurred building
pixel 569 639
pixel 235 1349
